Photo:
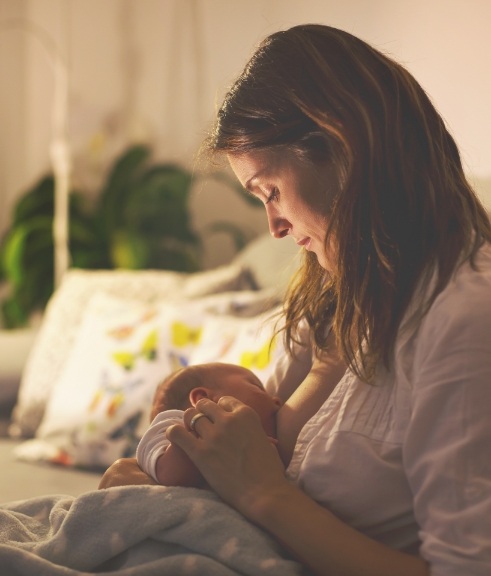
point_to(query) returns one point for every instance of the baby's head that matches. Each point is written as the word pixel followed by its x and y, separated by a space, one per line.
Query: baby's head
pixel 182 389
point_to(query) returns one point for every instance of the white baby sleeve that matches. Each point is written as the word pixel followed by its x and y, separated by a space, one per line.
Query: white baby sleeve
pixel 154 442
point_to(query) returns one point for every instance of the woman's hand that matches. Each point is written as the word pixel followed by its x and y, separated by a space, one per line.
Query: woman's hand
pixel 125 472
pixel 232 451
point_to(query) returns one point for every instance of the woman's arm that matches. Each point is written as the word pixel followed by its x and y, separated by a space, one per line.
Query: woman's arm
pixel 447 442
pixel 323 543
pixel 241 465
pixel 306 400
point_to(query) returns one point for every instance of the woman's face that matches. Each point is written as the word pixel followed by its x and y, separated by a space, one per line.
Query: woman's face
pixel 295 193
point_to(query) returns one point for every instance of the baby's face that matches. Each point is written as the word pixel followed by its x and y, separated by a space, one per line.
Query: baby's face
pixel 228 380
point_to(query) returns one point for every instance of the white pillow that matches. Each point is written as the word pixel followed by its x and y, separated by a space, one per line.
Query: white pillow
pixel 100 403
pixel 67 308
pixel 272 262
pixel 248 342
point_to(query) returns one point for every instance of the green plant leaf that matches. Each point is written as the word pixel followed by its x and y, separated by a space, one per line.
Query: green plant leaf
pixel 158 202
pixel 13 313
pixel 113 198
pixel 13 255
pixel 37 201
pixel 128 251
pixel 126 164
pixel 140 219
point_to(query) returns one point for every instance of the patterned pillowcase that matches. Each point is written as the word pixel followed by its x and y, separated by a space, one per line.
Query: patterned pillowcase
pixel 248 342
pixel 105 387
pixel 100 404
pixel 254 344
pixel 68 305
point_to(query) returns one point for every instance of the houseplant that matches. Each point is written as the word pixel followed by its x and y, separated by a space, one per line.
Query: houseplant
pixel 139 220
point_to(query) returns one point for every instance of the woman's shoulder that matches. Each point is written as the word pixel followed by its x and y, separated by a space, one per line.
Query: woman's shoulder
pixel 461 313
pixel 469 289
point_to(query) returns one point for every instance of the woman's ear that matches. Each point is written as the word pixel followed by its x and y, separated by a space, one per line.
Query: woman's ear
pixel 198 393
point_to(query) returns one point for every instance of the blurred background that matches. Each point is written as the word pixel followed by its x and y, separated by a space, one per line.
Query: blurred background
pixel 95 80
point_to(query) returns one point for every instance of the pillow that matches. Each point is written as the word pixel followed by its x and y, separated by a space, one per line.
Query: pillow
pixel 100 403
pixel 67 307
pixel 14 347
pixel 254 344
pixel 272 263
pixel 248 342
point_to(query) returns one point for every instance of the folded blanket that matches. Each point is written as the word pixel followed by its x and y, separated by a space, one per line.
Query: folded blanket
pixel 135 531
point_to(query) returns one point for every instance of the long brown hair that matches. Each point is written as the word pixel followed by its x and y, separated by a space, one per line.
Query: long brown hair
pixel 404 211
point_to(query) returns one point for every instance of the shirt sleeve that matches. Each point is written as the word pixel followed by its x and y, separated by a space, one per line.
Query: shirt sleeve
pixel 154 442
pixel 448 441
pixel 289 372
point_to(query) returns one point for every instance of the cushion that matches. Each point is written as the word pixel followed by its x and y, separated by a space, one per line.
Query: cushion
pixel 100 403
pixel 248 342
pixel 68 305
pixel 14 347
pixel 271 262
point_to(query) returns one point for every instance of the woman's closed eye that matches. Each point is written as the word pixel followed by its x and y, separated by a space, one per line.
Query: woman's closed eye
pixel 274 195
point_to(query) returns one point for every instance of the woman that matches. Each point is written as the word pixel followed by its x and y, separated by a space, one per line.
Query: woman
pixel 391 474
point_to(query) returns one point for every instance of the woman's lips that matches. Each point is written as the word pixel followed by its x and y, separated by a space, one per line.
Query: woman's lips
pixel 305 242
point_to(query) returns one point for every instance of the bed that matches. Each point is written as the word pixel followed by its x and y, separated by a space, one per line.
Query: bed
pixel 83 401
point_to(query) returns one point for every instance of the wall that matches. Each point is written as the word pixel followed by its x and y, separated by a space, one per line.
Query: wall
pixel 156 69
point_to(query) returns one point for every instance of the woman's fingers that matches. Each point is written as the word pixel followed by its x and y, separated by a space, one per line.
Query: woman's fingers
pixel 198 420
pixel 199 424
pixel 229 403
pixel 182 437
pixel 194 418
pixel 213 409
pixel 230 448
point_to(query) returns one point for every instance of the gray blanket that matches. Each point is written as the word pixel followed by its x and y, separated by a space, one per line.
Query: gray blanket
pixel 135 531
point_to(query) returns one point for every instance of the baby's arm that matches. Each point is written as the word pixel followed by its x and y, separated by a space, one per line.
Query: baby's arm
pixel 174 468
pixel 165 463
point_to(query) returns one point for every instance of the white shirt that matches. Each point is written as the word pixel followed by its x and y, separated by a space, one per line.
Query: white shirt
pixel 407 460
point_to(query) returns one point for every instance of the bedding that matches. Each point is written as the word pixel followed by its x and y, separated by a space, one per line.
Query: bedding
pixel 100 403
pixel 167 318
pixel 66 310
pixel 264 265
pixel 235 304
pixel 135 530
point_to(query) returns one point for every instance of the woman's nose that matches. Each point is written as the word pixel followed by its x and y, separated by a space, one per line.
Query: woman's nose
pixel 278 226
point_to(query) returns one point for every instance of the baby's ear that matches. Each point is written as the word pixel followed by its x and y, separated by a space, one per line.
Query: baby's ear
pixel 277 401
pixel 198 393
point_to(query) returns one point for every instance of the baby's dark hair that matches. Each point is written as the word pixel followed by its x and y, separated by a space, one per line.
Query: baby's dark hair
pixel 173 392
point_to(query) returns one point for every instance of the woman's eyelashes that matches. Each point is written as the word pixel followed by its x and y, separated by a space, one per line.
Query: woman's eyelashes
pixel 273 195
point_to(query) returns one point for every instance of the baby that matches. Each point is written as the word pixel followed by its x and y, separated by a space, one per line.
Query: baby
pixel 166 463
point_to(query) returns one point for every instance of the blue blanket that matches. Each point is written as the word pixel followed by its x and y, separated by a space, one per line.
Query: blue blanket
pixel 135 531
